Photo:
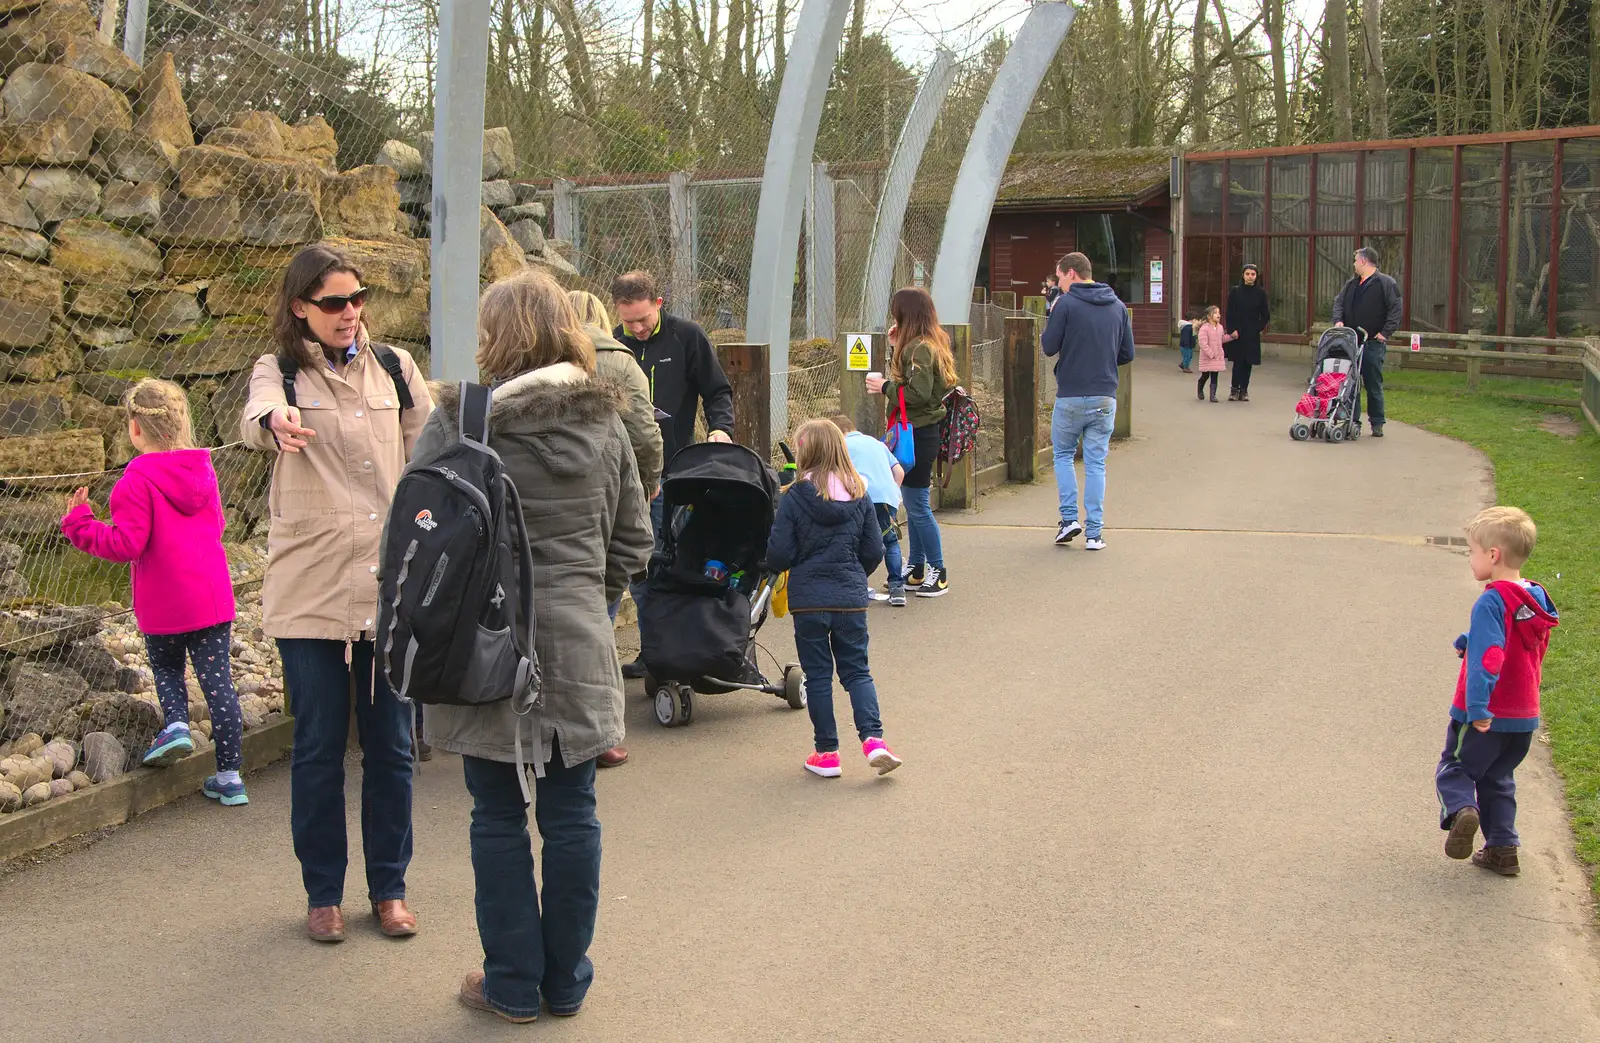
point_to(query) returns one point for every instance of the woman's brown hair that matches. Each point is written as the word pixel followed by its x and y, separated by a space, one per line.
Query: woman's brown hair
pixel 303 278
pixel 526 322
pixel 591 310
pixel 162 411
pixel 912 313
pixel 821 453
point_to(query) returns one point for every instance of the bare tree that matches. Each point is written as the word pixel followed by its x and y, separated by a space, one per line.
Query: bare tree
pixel 1377 83
pixel 1272 25
pixel 1336 56
pixel 1200 79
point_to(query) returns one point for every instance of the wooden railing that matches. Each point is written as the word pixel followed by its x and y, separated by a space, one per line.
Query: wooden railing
pixel 1591 386
pixel 1552 358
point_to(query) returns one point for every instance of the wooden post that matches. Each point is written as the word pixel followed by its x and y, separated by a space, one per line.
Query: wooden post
pixel 1474 364
pixel 1034 306
pixel 866 411
pixel 1022 399
pixel 961 492
pixel 980 295
pixel 1006 299
pixel 1122 427
pixel 749 371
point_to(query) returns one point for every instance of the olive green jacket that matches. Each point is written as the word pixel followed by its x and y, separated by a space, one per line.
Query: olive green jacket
pixel 613 361
pixel 924 385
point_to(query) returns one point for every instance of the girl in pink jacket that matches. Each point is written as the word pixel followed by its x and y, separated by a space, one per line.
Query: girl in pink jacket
pixel 166 522
pixel 1212 362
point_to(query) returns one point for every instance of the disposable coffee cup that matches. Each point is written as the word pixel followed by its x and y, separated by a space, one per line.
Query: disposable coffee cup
pixel 873 374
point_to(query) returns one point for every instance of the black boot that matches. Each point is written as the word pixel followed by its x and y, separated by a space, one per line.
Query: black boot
pixel 1213 394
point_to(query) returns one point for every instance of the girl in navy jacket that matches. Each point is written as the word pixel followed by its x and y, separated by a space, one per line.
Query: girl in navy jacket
pixel 826 536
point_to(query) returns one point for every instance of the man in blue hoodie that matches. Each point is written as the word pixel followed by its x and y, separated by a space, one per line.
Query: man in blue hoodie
pixel 1090 334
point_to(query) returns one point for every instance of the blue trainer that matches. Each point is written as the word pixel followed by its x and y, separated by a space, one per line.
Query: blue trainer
pixel 229 793
pixel 172 743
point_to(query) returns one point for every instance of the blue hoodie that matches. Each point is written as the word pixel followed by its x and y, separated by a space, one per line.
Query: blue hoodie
pixel 1092 332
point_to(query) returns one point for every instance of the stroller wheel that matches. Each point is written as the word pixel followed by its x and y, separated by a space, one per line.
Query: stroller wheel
pixel 1336 432
pixel 1299 431
pixel 794 686
pixel 674 704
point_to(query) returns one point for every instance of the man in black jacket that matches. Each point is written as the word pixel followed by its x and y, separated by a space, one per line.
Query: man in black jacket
pixel 678 360
pixel 1370 302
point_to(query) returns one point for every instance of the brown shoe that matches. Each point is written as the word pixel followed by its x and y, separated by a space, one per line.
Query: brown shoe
pixel 1498 859
pixel 325 923
pixel 472 995
pixel 394 919
pixel 1463 831
pixel 614 757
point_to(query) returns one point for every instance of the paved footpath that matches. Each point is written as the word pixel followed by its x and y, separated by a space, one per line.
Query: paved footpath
pixel 1179 790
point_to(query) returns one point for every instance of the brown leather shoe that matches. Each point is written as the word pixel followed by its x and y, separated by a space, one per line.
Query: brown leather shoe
pixel 614 757
pixel 325 923
pixel 1498 859
pixel 472 995
pixel 394 919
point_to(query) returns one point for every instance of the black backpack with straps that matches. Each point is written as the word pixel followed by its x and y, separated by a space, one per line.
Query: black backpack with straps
pixel 455 583
pixel 289 367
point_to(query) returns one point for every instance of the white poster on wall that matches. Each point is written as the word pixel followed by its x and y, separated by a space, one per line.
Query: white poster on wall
pixel 1157 270
pixel 1157 292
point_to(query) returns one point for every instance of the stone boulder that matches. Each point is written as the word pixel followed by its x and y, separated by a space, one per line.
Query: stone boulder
pixel 186 262
pixel 258 133
pixel 99 667
pixel 46 142
pixel 38 92
pixel 133 720
pixel 44 33
pixel 133 156
pixel 228 346
pixel 312 139
pixel 404 160
pixel 24 325
pixel 361 203
pixel 60 452
pixel 105 301
pixel 162 116
pixel 34 409
pixel 498 195
pixel 398 267
pixel 19 241
pixel 523 212
pixel 529 235
pixel 91 55
pixel 499 153
pixel 135 205
pixel 499 254
pixel 104 757
pixel 95 252
pixel 14 208
pixel 56 194
pixel 248 292
pixel 206 170
pixel 284 219
pixel 59 355
pixel 398 316
pixel 38 696
pixel 216 220
pixel 27 283
pixel 166 313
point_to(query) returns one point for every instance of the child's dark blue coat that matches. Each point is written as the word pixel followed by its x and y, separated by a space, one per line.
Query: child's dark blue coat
pixel 828 547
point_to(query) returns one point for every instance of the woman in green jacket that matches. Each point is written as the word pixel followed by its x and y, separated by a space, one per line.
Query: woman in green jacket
pixel 923 367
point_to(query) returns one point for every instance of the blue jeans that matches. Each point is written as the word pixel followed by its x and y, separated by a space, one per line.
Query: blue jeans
pixel 891 547
pixel 1372 358
pixel 922 530
pixel 1187 356
pixel 320 689
pixel 824 639
pixel 529 952
pixel 1091 419
pixel 637 589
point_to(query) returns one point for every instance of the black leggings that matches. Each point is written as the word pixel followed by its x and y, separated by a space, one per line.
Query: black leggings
pixel 1241 375
pixel 1200 388
pixel 208 650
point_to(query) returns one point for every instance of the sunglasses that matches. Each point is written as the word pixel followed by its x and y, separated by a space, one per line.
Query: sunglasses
pixel 333 305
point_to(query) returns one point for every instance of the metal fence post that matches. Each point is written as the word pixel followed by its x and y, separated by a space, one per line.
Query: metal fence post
pixel 564 218
pixel 680 204
pixel 967 221
pixel 460 74
pixel 822 312
pixel 133 29
pixel 775 245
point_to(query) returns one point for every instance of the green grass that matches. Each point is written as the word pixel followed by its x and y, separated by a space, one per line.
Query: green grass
pixel 1556 479
pixel 1444 382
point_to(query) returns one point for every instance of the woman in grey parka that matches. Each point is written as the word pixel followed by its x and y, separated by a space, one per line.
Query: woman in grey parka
pixel 560 435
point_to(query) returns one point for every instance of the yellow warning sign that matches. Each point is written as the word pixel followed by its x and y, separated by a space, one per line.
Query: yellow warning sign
pixel 858 351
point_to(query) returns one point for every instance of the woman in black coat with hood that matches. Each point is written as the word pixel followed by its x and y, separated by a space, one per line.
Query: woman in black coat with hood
pixel 1247 319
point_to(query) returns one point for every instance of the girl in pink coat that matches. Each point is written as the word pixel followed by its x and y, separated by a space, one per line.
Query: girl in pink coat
pixel 166 522
pixel 1212 362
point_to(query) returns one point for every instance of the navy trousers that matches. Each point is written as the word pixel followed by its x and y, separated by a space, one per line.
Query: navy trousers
pixel 1475 770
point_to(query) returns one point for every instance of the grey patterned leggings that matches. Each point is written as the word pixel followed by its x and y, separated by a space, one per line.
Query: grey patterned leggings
pixel 208 649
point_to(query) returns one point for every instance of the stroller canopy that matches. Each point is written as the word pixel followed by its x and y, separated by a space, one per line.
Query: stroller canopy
pixel 732 498
pixel 730 475
pixel 1340 342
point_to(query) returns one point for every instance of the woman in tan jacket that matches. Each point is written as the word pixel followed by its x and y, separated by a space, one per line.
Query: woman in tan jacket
pixel 343 437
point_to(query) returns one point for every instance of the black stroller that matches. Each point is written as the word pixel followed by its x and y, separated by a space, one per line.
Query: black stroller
pixel 706 596
pixel 1331 407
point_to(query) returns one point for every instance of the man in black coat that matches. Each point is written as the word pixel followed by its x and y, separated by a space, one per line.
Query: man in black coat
pixel 1370 302
pixel 1246 317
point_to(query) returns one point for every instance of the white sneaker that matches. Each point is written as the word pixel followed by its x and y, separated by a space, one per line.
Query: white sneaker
pixel 876 595
pixel 1068 532
pixel 1094 543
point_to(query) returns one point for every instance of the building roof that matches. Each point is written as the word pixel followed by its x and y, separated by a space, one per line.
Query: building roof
pixel 1088 178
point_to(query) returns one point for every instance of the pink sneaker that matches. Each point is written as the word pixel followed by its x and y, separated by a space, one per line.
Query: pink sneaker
pixel 824 764
pixel 880 756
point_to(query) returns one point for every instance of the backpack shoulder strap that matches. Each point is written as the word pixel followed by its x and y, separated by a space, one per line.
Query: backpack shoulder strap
pixel 473 424
pixel 391 362
pixel 288 368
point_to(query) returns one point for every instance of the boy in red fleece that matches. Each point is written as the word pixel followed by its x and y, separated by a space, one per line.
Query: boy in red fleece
pixel 1496 709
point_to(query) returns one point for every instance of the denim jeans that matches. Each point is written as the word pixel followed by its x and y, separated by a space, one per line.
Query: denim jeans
pixel 826 639
pixel 1186 357
pixel 529 951
pixel 1372 359
pixel 320 689
pixel 637 589
pixel 922 530
pixel 1091 419
pixel 891 547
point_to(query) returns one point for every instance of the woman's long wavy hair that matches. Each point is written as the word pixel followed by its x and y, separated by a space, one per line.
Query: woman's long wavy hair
pixel 526 322
pixel 304 277
pixel 911 311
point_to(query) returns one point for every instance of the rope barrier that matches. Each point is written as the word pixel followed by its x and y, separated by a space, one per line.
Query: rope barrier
pixel 90 474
